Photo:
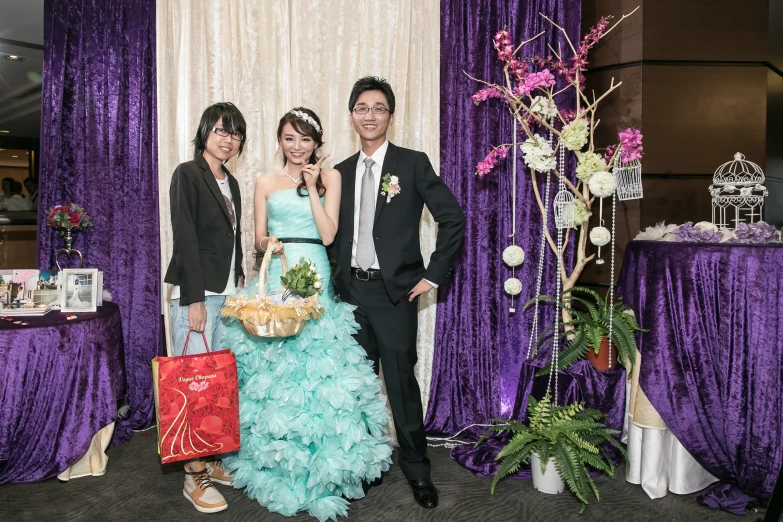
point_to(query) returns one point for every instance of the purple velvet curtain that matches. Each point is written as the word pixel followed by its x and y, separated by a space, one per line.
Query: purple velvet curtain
pixel 480 348
pixel 99 150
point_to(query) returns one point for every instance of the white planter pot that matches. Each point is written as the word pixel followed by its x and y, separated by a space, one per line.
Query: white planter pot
pixel 549 481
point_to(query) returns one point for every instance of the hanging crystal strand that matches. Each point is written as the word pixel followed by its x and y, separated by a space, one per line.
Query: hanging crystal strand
pixel 558 297
pixel 514 206
pixel 611 282
pixel 541 254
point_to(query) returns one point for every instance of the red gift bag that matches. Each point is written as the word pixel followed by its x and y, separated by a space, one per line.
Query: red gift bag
pixel 196 403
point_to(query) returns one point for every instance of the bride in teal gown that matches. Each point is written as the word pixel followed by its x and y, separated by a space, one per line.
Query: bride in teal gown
pixel 313 418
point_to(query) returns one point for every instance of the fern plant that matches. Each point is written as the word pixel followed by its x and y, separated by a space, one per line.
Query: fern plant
pixel 586 329
pixel 571 434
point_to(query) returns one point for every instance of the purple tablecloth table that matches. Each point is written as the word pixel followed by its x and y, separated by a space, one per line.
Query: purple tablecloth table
pixel 712 363
pixel 60 381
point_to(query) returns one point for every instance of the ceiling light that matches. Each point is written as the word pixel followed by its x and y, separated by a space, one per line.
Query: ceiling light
pixel 14 156
pixel 13 57
pixel 3 131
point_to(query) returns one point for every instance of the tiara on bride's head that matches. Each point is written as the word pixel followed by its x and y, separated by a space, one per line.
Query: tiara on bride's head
pixel 306 117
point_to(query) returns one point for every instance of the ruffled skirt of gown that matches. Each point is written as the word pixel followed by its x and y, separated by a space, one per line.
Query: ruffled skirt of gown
pixel 312 415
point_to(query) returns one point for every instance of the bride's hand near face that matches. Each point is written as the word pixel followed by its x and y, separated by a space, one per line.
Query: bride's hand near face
pixel 310 173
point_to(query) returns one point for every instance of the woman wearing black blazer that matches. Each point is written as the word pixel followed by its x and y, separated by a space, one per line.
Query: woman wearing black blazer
pixel 206 264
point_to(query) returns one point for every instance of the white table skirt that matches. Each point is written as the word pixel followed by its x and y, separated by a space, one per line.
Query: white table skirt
pixel 94 462
pixel 656 459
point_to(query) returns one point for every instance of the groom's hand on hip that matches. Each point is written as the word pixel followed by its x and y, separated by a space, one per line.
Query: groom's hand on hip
pixel 197 317
pixel 420 288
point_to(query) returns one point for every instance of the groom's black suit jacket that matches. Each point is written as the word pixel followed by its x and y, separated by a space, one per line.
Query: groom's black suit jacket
pixel 396 226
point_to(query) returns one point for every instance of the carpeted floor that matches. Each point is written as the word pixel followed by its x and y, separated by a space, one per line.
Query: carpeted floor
pixel 137 488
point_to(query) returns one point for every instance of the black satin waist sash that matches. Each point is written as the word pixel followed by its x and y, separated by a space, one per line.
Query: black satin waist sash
pixel 300 240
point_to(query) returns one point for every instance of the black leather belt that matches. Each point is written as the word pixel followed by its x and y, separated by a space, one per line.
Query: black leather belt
pixel 369 275
pixel 300 240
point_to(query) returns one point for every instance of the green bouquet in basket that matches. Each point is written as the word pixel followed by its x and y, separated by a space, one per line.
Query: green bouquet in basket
pixel 302 279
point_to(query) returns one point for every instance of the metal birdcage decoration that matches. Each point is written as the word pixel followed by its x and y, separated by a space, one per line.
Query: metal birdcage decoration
pixel 629 179
pixel 564 209
pixel 737 190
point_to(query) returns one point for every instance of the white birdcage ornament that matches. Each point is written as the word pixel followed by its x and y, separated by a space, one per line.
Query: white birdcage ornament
pixel 629 179
pixel 564 209
pixel 737 190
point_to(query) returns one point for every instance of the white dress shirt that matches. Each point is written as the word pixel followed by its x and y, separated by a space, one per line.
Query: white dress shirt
pixel 378 157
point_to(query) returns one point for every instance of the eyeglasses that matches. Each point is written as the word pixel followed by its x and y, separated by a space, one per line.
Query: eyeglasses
pixel 375 110
pixel 223 133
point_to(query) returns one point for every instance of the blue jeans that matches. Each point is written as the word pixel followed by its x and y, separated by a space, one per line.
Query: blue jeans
pixel 214 329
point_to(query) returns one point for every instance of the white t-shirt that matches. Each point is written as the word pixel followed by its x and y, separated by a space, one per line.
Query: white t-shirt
pixel 230 289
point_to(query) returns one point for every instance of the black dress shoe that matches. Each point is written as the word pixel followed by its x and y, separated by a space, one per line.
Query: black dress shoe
pixel 374 484
pixel 366 487
pixel 424 492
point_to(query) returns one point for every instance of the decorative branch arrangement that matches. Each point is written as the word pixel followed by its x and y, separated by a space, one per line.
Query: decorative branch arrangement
pixel 530 93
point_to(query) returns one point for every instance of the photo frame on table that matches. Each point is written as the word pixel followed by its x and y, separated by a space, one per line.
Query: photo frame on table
pixel 49 289
pixel 79 290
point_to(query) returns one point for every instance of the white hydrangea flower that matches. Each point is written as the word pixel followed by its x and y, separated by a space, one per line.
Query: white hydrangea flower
pixel 705 226
pixel 602 184
pixel 581 214
pixel 589 164
pixel 543 106
pixel 512 286
pixel 538 155
pixel 575 134
pixel 394 180
pixel 513 255
pixel 317 285
pixel 600 236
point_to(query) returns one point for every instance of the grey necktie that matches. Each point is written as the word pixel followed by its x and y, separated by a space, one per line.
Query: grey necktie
pixel 365 248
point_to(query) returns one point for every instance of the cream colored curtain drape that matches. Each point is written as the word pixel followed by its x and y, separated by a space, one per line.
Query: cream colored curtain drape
pixel 267 56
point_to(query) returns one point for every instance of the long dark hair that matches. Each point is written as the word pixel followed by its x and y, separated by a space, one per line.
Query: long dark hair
pixel 233 122
pixel 305 129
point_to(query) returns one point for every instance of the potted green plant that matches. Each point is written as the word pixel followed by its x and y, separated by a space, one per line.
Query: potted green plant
pixel 587 331
pixel 560 441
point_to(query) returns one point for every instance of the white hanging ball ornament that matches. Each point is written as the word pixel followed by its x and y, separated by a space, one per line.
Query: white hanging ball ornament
pixel 600 236
pixel 513 255
pixel 602 184
pixel 512 286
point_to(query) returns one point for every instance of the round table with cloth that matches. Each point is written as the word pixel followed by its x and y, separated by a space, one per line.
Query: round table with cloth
pixel 60 381
pixel 707 401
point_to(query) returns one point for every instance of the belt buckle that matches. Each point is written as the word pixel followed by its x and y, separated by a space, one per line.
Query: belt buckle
pixel 360 271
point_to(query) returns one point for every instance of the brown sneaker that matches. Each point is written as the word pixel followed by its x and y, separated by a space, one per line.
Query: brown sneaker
pixel 201 493
pixel 218 474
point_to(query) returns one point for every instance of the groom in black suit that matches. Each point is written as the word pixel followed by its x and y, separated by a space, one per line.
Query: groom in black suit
pixel 378 264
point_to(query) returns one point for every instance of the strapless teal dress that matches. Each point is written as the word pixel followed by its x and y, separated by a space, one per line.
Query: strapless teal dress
pixel 312 415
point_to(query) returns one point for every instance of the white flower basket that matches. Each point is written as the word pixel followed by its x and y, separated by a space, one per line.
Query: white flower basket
pixel 564 209
pixel 549 481
pixel 629 180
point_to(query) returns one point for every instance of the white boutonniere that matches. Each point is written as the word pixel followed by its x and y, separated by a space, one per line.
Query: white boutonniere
pixel 390 187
